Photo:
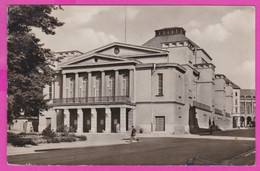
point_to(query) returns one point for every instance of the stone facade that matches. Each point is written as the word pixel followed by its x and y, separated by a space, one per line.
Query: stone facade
pixel 166 85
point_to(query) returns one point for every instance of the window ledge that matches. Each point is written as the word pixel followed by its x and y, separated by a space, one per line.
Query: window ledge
pixel 159 95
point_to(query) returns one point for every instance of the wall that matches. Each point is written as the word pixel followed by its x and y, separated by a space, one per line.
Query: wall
pixel 51 113
pixel 220 93
pixel 201 57
pixel 161 59
pixel 203 118
pixel 206 86
pixel 181 55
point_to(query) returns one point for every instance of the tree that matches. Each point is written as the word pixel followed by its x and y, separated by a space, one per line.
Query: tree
pixel 29 64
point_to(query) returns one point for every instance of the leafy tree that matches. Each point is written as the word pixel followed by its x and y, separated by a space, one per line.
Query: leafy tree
pixel 29 64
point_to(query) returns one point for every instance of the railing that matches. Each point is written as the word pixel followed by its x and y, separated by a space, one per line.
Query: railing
pixel 85 100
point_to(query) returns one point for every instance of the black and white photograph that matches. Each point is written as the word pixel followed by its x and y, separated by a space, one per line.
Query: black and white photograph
pixel 131 85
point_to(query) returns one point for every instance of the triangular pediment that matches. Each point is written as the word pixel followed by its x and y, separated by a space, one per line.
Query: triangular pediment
pixel 120 49
pixel 111 53
pixel 95 59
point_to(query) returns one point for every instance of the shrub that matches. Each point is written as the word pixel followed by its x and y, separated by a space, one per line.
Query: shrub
pixel 12 137
pixel 20 142
pixel 63 128
pixel 29 133
pixel 47 132
pixel 72 129
pixel 81 138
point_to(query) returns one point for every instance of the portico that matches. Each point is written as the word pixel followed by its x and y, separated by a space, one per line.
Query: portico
pixel 99 119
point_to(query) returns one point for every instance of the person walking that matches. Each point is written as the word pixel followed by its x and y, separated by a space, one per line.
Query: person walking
pixel 133 134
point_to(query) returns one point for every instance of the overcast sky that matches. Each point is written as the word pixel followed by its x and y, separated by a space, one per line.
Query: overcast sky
pixel 227 33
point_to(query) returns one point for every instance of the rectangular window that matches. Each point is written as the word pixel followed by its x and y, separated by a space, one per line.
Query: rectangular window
pixel 159 123
pixel 50 90
pixel 97 87
pixel 48 122
pixel 110 87
pixel 236 94
pixel 84 86
pixel 72 88
pixel 124 87
pixel 236 102
pixel 242 107
pixel 160 84
pixel 236 110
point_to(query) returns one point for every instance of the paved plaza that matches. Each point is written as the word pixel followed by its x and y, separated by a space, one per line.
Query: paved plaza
pixel 157 150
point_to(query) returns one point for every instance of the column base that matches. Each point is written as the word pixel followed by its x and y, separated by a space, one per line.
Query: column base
pixel 107 131
pixel 92 131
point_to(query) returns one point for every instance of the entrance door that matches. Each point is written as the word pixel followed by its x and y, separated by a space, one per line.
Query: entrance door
pixel 73 120
pixel 115 120
pixel 101 120
pixel 86 120
pixel 159 123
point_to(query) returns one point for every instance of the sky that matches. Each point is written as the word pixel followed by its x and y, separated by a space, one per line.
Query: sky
pixel 226 33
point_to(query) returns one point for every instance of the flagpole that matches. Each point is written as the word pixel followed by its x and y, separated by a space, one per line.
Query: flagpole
pixel 125 24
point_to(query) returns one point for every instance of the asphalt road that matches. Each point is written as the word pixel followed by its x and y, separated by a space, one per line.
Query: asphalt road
pixel 250 132
pixel 149 151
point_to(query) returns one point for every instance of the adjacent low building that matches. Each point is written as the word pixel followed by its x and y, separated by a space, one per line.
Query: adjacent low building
pixel 166 85
pixel 244 108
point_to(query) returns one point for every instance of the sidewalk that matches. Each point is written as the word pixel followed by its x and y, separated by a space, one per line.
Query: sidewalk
pixel 107 139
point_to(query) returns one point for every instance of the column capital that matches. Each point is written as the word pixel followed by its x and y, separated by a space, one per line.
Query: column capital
pixel 80 110
pixel 66 110
pixel 107 110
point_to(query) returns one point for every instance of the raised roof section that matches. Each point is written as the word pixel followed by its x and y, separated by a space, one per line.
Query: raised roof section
pixel 169 35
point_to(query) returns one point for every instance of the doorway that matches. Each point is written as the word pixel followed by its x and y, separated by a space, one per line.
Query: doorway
pixel 159 123
pixel 101 118
pixel 86 120
pixel 115 120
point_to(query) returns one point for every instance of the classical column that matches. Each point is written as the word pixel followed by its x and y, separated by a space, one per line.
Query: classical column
pixel 64 86
pixel 89 84
pixel 108 120
pixel 122 119
pixel 76 85
pixel 116 82
pixel 131 84
pixel 54 120
pixel 66 118
pixel 103 83
pixel 93 120
pixel 238 121
pixel 80 121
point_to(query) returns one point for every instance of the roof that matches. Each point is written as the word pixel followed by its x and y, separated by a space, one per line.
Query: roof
pixel 234 86
pixel 69 51
pixel 247 92
pixel 156 41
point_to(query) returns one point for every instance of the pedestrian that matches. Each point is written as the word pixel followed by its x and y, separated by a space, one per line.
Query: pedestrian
pixel 117 128
pixel 210 129
pixel 133 134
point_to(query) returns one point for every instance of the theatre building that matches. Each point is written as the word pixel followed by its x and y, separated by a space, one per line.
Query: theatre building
pixel 166 85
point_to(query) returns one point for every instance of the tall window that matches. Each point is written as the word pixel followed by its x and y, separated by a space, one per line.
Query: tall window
pixel 236 94
pixel 125 87
pixel 160 84
pixel 97 87
pixel 72 88
pixel 110 87
pixel 50 90
pixel 236 110
pixel 236 102
pixel 84 88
